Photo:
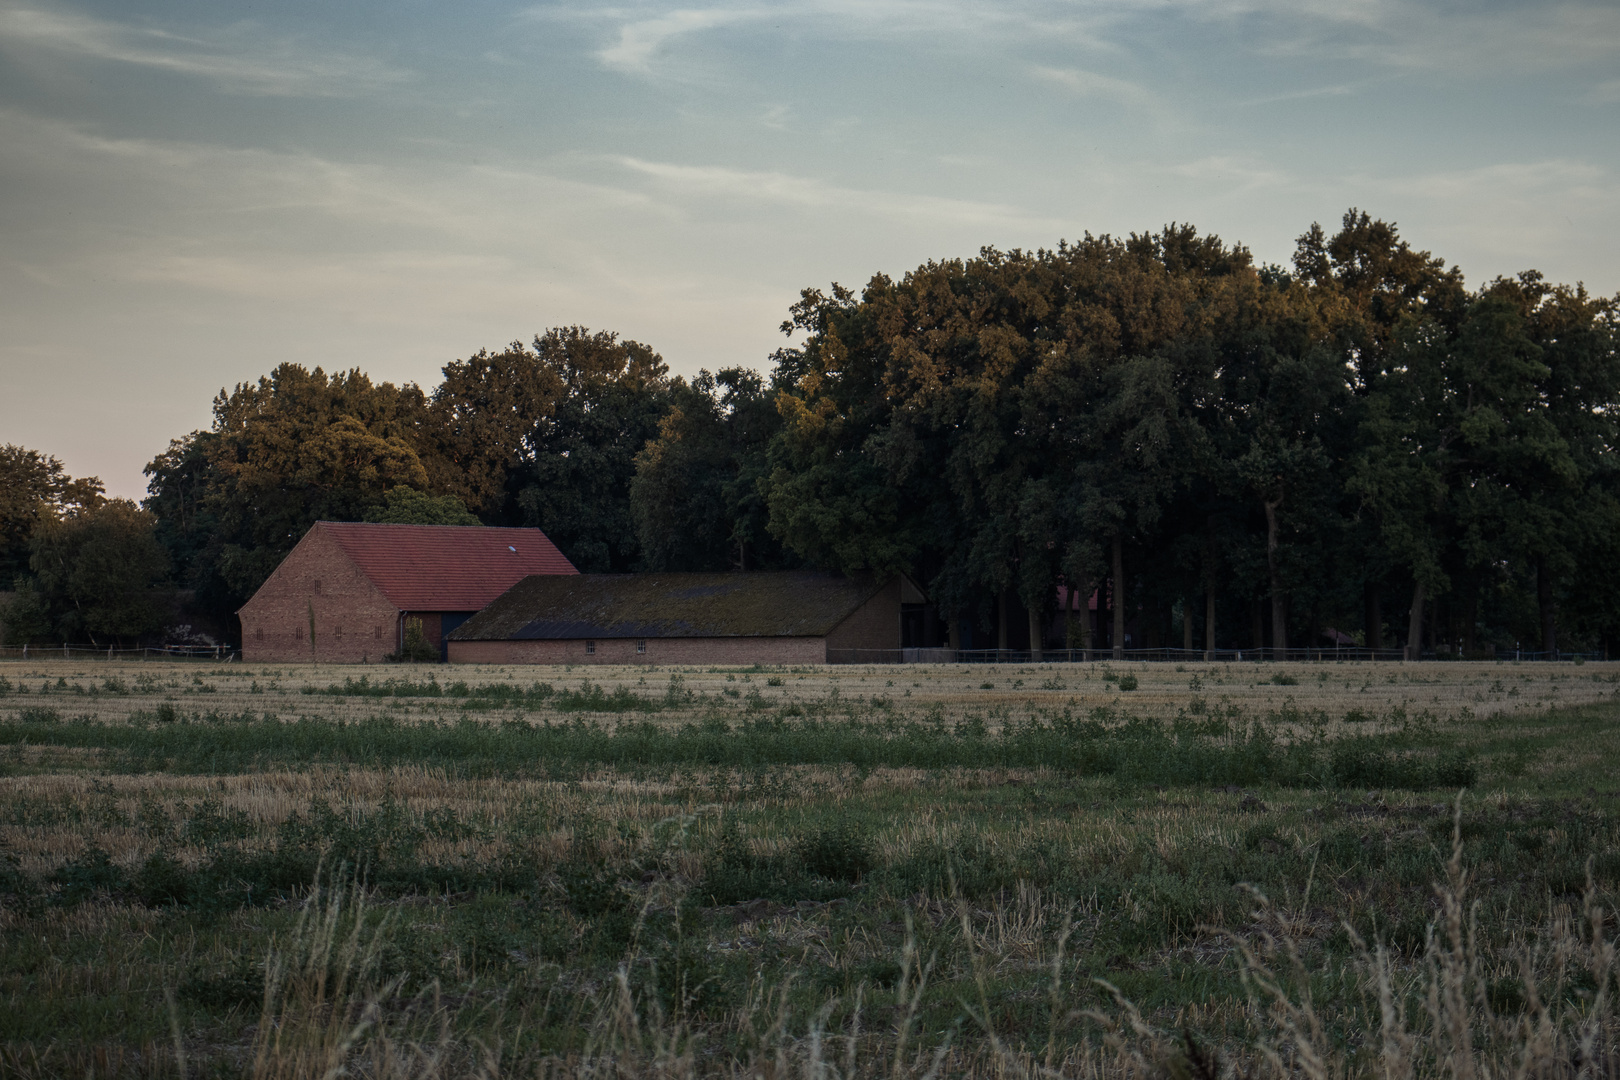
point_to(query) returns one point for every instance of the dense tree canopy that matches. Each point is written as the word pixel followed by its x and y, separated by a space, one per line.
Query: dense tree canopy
pixel 95 577
pixel 1356 444
pixel 1158 413
pixel 34 489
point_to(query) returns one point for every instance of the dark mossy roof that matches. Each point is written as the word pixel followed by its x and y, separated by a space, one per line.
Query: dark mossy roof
pixel 780 604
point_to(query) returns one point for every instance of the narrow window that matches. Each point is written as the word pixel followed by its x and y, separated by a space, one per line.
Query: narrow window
pixel 376 632
pixel 258 634
pixel 590 646
pixel 300 631
pixel 641 646
pixel 317 586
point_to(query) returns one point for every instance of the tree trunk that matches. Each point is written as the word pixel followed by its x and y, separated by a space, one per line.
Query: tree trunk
pixel 1209 623
pixel 1119 598
pixel 1036 633
pixel 1001 621
pixel 1549 614
pixel 1279 601
pixel 953 630
pixel 1186 624
pixel 1414 625
pixel 1470 617
pixel 1088 628
pixel 1374 630
pixel 1068 617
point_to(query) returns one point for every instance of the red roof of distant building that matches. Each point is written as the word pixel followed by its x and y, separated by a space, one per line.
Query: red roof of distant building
pixel 446 567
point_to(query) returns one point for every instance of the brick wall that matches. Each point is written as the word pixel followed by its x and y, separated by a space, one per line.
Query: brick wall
pixel 739 651
pixel 873 625
pixel 354 621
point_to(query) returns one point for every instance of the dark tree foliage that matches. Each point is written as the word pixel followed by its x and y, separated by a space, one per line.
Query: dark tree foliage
pixel 34 489
pixel 577 460
pixel 1303 451
pixel 296 447
pixel 695 495
pixel 95 577
pixel 1356 445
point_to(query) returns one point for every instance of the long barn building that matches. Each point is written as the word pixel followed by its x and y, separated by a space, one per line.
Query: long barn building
pixel 790 617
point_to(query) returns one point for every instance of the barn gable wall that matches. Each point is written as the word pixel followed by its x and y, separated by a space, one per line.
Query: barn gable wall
pixel 354 622
pixel 875 625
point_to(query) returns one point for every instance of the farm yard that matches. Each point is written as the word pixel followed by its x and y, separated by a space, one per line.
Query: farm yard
pixel 1087 869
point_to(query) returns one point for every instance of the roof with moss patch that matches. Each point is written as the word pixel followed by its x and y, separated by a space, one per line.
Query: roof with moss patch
pixel 799 603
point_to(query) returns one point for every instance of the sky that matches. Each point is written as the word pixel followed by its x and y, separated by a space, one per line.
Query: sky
pixel 192 193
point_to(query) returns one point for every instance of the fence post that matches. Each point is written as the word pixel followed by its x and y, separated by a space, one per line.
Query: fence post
pixel 64 650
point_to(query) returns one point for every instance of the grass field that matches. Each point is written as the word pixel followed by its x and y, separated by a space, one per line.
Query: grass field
pixel 1099 869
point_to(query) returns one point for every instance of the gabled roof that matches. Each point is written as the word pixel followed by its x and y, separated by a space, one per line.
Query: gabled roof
pixel 780 604
pixel 445 567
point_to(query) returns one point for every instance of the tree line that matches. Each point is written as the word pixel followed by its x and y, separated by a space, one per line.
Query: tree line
pixel 1224 452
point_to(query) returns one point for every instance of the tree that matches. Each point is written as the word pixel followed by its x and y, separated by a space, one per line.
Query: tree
pixel 34 488
pixel 579 457
pixel 695 496
pixel 407 506
pixel 95 571
pixel 294 448
pixel 483 414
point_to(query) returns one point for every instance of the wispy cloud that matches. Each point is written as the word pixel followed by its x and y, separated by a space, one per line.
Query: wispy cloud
pixel 717 181
pixel 1233 173
pixel 640 41
pixel 243 59
pixel 1091 84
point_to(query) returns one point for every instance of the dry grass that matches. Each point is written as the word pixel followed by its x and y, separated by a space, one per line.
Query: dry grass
pixel 1373 690
pixel 327 1013
pixel 898 980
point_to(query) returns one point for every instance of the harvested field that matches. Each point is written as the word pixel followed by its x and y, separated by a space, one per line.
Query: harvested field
pixel 868 870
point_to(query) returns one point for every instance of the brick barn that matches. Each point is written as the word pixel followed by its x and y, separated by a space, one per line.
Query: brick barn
pixel 794 617
pixel 342 595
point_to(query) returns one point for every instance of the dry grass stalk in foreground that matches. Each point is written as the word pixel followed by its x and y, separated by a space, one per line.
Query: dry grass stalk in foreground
pixel 1439 1020
pixel 1443 1016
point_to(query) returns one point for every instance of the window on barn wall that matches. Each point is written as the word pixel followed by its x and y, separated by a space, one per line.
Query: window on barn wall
pixel 258 634
pixel 317 585
pixel 376 632
pixel 590 646
pixel 641 646
pixel 300 632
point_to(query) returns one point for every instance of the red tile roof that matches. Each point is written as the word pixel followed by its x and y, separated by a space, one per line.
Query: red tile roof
pixel 446 567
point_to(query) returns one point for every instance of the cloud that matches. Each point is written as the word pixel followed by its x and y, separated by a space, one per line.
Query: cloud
pixel 243 59
pixel 1429 36
pixel 1090 84
pixel 718 181
pixel 1605 92
pixel 1233 173
pixel 640 41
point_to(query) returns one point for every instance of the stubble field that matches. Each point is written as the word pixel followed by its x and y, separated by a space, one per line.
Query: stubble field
pixel 1083 869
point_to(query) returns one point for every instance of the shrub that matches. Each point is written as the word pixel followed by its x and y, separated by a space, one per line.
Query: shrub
pixel 415 649
pixel 1127 682
pixel 841 852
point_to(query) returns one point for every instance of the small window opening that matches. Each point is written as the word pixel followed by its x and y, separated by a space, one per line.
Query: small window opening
pixel 590 646
pixel 300 632
pixel 258 634
pixel 376 632
pixel 641 646
pixel 317 586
